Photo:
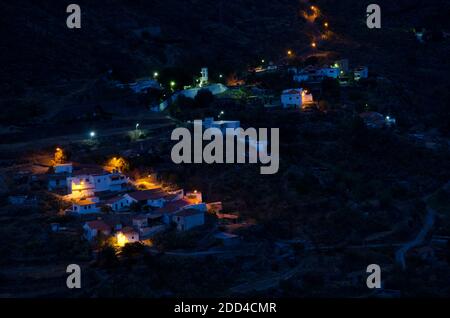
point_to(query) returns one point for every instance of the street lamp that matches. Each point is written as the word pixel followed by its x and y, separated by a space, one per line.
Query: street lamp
pixel 155 75
pixel 172 84
pixel 92 134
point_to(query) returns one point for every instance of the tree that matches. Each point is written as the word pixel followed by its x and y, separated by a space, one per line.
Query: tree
pixel 118 163
pixel 204 98
pixel 59 156
pixel 107 257
pixel 331 89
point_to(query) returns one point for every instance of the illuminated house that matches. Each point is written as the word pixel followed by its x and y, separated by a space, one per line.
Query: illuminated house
pixel 127 235
pixel 87 182
pixel 295 98
pixel 86 206
pixel 194 197
pixel 291 98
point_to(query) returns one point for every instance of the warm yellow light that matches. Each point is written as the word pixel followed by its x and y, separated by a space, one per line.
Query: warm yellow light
pixel 314 44
pixel 326 24
pixel 289 52
pixel 121 239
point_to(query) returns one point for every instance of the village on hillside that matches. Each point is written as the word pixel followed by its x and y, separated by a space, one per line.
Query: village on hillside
pixel 362 178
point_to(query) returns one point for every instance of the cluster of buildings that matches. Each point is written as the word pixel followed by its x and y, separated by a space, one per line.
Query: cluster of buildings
pixel 339 70
pixel 311 74
pixel 112 196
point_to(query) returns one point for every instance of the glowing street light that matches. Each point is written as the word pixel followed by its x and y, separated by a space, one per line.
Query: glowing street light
pixel 172 84
pixel 92 134
pixel 326 24
pixel 220 75
pixel 155 75
pixel 314 44
pixel 263 61
pixel 289 52
pixel 137 125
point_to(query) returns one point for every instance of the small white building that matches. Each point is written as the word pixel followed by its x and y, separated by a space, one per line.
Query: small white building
pixel 118 203
pixel 140 221
pixel 331 72
pixel 63 168
pixel 361 72
pixel 188 219
pixel 292 98
pixel 204 77
pixel 131 235
pixel 86 206
pixel 194 197
pixel 93 228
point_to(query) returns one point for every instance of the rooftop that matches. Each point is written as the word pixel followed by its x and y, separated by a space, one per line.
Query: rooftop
pixel 172 207
pixel 189 212
pixel 144 195
pixel 98 225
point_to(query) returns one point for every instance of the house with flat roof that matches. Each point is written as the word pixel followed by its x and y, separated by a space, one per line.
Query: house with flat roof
pixel 86 206
pixel 94 228
pixel 189 218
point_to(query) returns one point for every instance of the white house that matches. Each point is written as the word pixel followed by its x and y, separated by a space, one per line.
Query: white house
pixel 94 228
pixel 153 197
pixel 118 203
pixel 315 74
pixel 188 219
pixel 131 235
pixel 140 221
pixel 204 77
pixel 57 181
pixel 85 183
pixel 171 208
pixel 361 72
pixel 331 72
pixel 86 206
pixel 291 98
pixel 63 168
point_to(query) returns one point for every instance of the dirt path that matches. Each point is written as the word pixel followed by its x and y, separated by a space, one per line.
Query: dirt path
pixel 427 226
